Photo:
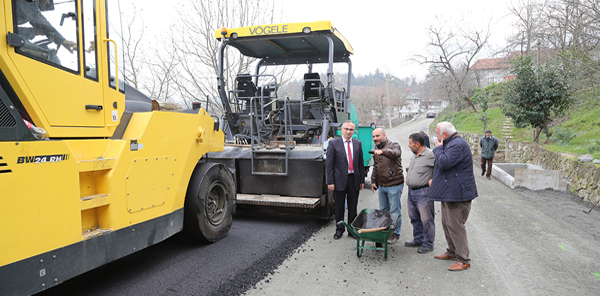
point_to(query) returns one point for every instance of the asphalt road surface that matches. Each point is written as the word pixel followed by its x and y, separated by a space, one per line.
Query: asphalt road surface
pixel 521 242
pixel 255 246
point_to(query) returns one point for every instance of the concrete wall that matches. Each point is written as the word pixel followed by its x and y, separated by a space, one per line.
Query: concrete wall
pixel 540 179
pixel 583 178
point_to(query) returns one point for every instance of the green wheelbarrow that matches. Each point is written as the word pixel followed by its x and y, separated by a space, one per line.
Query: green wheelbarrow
pixel 372 226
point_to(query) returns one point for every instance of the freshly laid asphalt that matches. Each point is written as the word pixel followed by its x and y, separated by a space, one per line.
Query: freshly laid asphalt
pixel 255 246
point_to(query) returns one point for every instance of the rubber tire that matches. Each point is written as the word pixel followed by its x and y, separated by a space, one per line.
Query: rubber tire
pixel 326 212
pixel 209 203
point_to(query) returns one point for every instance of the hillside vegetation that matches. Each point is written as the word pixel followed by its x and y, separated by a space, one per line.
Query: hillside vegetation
pixel 578 132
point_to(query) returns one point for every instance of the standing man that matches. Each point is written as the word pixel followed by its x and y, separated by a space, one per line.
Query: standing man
pixel 489 145
pixel 454 185
pixel 425 138
pixel 387 173
pixel 420 209
pixel 345 174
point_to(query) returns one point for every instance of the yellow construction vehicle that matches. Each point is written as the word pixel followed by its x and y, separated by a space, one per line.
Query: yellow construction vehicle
pixel 89 173
pixel 277 145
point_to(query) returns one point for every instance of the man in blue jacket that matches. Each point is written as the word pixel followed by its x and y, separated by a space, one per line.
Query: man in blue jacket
pixel 454 185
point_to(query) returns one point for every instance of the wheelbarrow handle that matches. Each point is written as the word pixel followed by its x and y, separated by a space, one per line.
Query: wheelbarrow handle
pixel 372 229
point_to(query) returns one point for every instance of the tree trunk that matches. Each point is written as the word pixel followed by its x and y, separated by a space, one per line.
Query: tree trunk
pixel 471 104
pixel 536 134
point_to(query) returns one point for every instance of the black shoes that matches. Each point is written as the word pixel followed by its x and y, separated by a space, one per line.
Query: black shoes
pixel 412 244
pixel 350 234
pixel 482 173
pixel 424 249
pixel 338 235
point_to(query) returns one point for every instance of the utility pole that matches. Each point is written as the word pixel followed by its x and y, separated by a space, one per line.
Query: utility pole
pixel 387 89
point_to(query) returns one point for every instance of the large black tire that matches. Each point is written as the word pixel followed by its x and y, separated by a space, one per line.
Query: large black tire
pixel 209 203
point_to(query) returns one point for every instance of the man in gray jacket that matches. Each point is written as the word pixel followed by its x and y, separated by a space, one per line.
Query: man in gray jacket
pixel 420 209
pixel 454 185
pixel 489 145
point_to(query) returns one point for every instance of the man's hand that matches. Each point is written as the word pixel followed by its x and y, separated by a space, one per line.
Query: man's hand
pixel 362 185
pixel 69 45
pixel 439 141
pixel 373 187
pixel 331 187
pixel 430 182
pixel 377 152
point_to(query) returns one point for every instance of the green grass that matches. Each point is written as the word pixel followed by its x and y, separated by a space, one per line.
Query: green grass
pixel 469 122
pixel 582 119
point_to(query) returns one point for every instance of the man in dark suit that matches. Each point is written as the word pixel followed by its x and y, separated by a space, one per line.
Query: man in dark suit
pixel 345 172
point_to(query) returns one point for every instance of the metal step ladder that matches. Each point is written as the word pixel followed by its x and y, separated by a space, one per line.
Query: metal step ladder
pixel 91 172
pixel 272 161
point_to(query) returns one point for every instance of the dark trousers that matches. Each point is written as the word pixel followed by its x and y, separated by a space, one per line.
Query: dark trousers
pixel 339 199
pixel 454 217
pixel 421 214
pixel 489 166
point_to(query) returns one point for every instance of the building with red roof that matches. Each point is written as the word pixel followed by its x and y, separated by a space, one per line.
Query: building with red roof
pixel 488 71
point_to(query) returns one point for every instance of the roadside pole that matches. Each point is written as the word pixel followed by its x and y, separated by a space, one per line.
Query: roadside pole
pixel 387 90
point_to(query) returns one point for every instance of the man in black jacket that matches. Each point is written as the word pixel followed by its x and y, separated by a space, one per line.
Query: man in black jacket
pixel 345 172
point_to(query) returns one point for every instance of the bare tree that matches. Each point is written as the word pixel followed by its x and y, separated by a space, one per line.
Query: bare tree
pixel 455 50
pixel 146 69
pixel 370 95
pixel 369 100
pixel 195 47
pixel 134 50
pixel 571 23
pixel 572 32
pixel 529 29
pixel 567 29
pixel 593 9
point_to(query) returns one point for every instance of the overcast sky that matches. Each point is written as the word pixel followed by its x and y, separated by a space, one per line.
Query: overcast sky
pixel 385 34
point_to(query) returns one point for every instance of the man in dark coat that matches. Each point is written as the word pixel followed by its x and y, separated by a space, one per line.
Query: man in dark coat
pixel 345 172
pixel 489 145
pixel 425 138
pixel 454 185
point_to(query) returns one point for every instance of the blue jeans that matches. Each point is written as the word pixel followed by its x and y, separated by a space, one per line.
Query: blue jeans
pixel 389 200
pixel 421 214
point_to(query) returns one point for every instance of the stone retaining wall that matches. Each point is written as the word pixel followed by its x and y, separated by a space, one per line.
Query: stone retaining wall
pixel 583 178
